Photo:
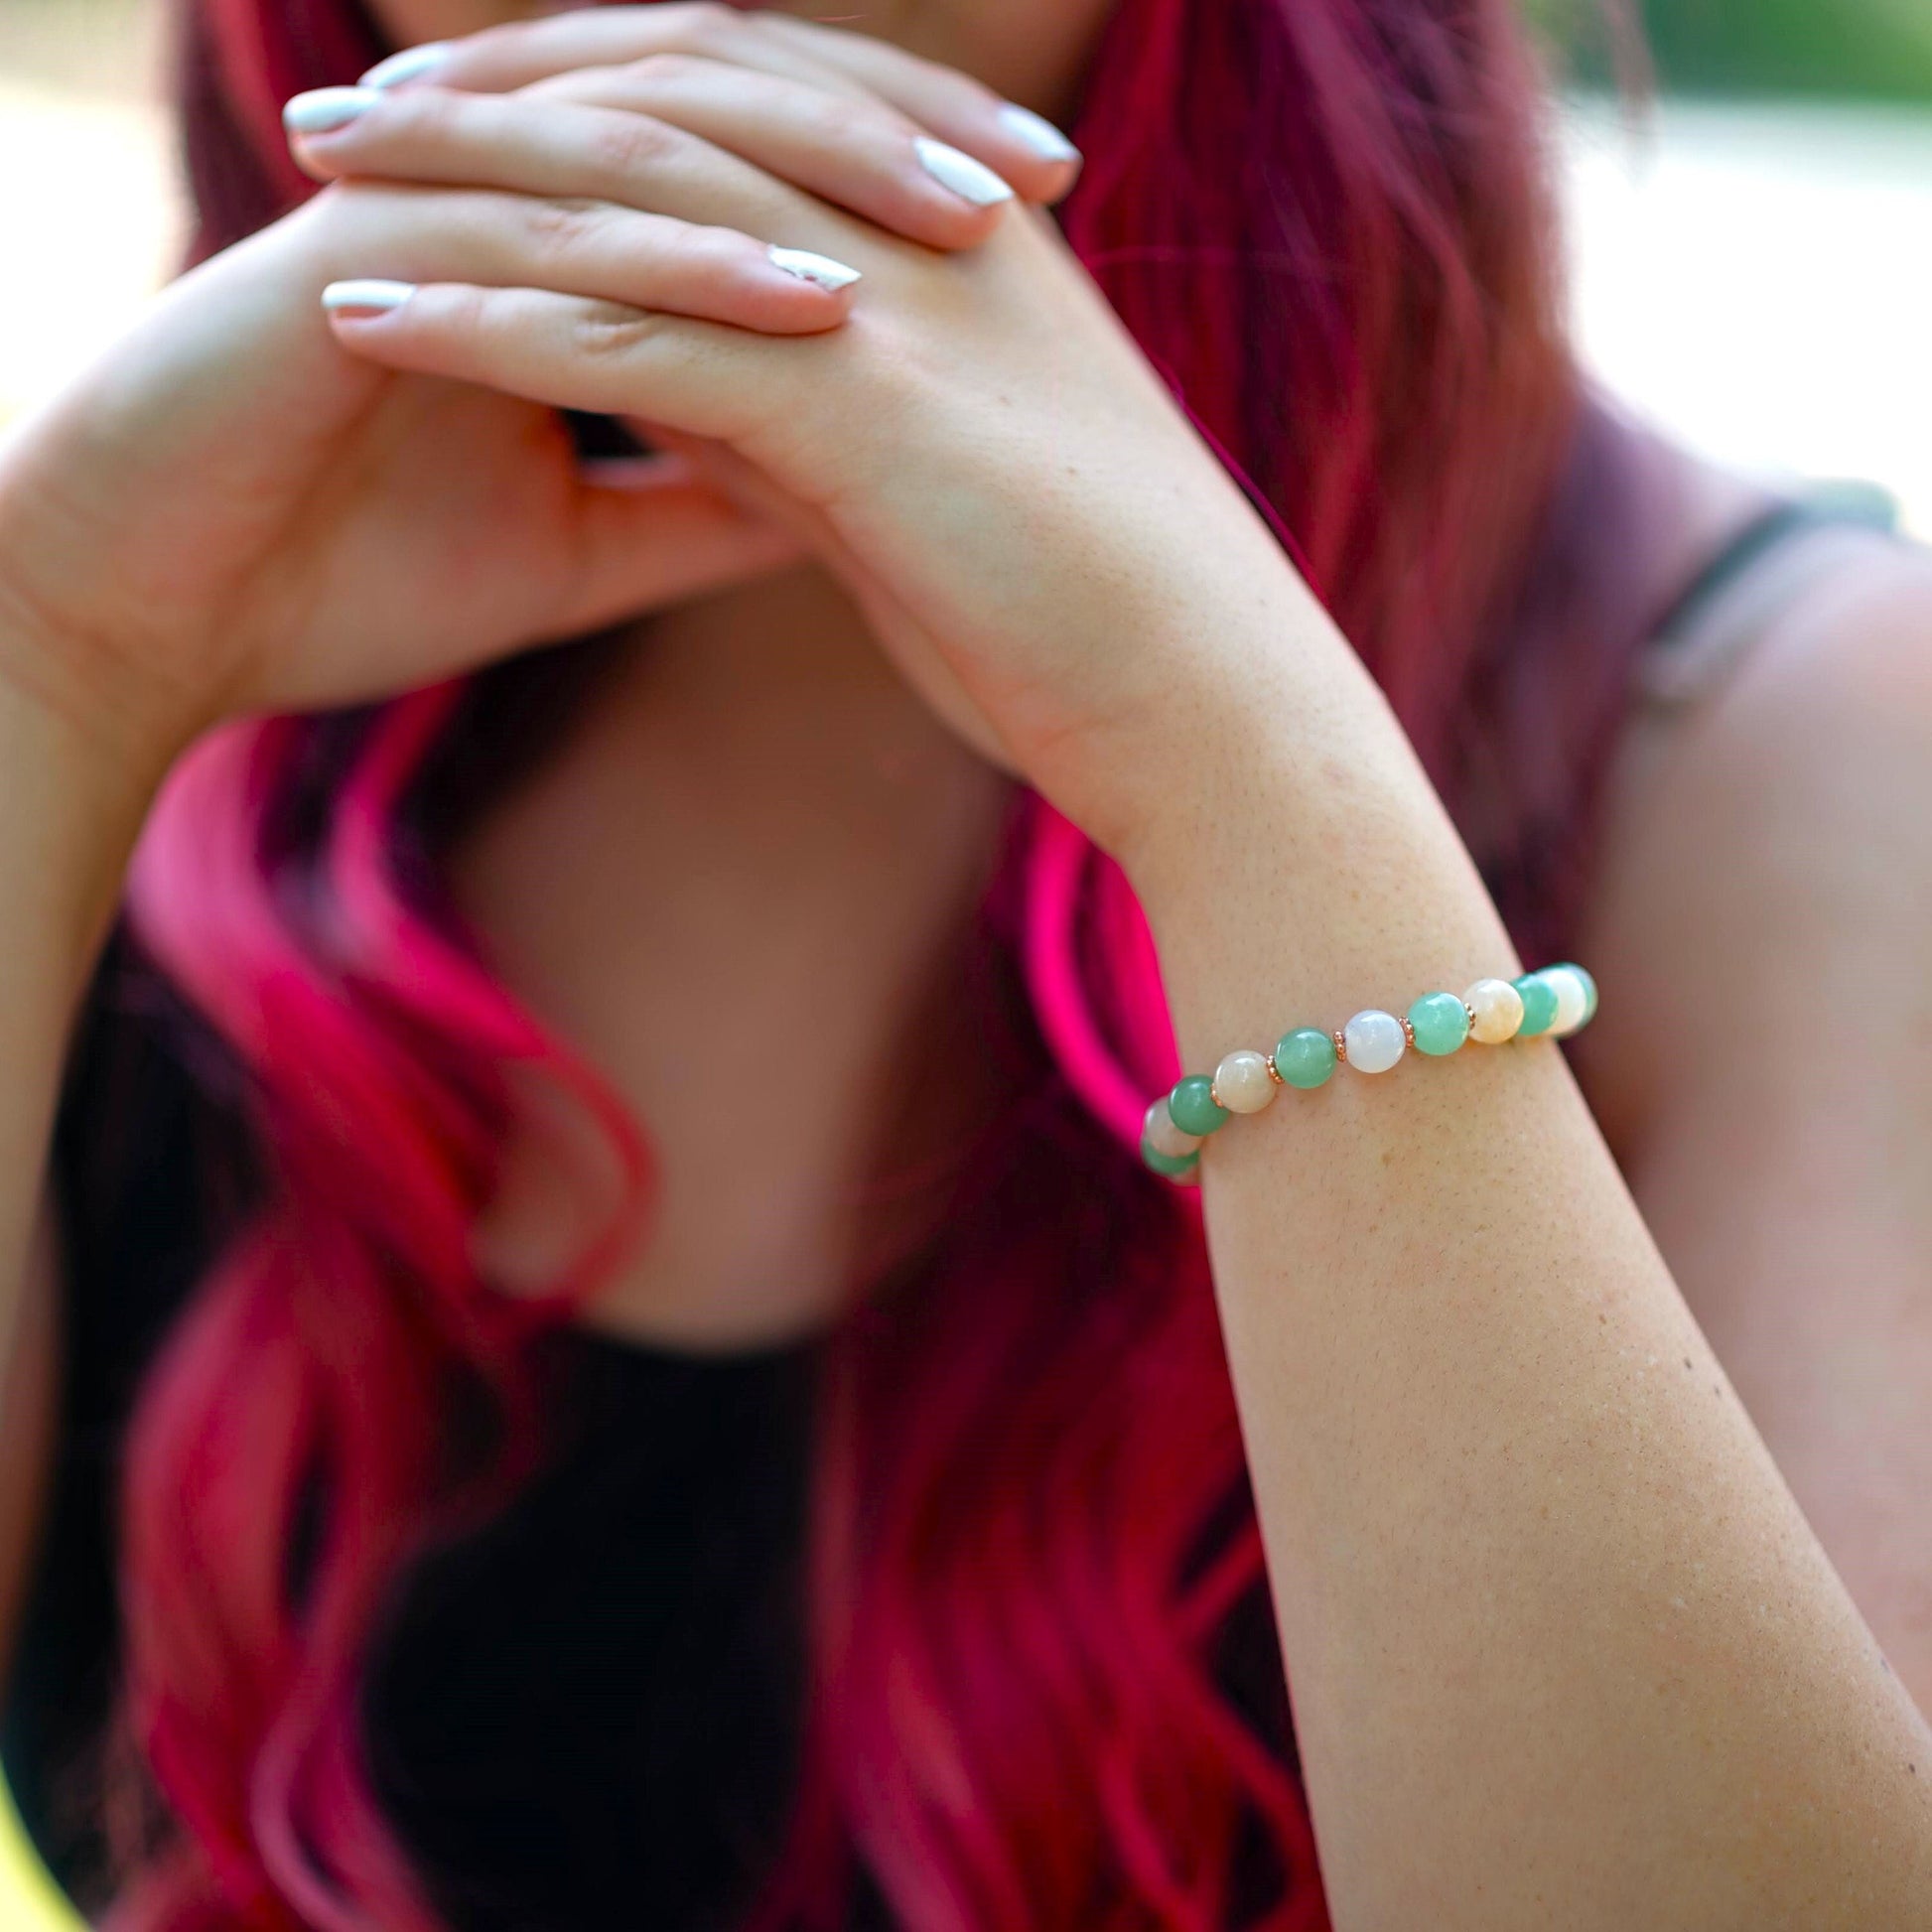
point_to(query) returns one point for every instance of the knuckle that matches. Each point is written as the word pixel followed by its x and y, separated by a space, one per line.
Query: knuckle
pixel 630 145
pixel 667 70
pixel 561 230
pixel 705 26
pixel 464 313
pixel 838 121
pixel 602 335
pixel 346 216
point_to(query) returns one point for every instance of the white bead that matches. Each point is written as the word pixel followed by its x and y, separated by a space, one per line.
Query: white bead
pixel 1163 1137
pixel 1573 1001
pixel 1499 1009
pixel 1241 1083
pixel 1375 1040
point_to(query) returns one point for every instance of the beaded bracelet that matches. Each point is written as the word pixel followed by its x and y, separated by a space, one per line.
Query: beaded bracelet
pixel 1555 1002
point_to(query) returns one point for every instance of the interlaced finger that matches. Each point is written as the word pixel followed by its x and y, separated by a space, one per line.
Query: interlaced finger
pixel 1013 142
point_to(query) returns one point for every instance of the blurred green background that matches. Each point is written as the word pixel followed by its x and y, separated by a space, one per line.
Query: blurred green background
pixel 1878 50
pixel 1833 97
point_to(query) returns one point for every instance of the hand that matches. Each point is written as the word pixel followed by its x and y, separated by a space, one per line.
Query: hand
pixel 231 514
pixel 1044 542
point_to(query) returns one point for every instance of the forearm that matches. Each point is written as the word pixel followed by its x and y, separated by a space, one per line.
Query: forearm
pixel 74 801
pixel 1562 1649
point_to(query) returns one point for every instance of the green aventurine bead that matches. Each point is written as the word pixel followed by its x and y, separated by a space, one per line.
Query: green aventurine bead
pixel 1440 1022
pixel 1306 1057
pixel 1172 1166
pixel 1192 1105
pixel 1539 1005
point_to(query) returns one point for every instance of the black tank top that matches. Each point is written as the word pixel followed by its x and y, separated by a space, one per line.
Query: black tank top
pixel 535 1737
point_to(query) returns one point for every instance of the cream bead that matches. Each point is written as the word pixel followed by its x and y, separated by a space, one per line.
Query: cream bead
pixel 1375 1040
pixel 1572 1000
pixel 1242 1084
pixel 1499 1009
pixel 1163 1137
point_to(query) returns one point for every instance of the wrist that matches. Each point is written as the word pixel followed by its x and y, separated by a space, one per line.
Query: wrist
pixel 91 652
pixel 1305 868
pixel 79 782
pixel 124 723
pixel 1272 740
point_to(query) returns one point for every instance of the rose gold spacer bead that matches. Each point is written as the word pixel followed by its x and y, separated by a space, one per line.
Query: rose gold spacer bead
pixel 1471 1011
pixel 1273 1073
pixel 1341 1047
pixel 1408 1032
pixel 1213 1094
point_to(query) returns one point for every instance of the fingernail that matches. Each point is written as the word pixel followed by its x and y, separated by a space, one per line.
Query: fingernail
pixel 410 64
pixel 820 270
pixel 327 109
pixel 1038 132
pixel 971 180
pixel 365 297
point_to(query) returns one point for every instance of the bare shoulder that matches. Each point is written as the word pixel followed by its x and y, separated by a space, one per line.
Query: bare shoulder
pixel 1763 1060
pixel 1764 890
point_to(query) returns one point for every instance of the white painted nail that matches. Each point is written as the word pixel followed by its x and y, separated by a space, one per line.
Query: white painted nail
pixel 410 64
pixel 365 297
pixel 1038 132
pixel 820 270
pixel 327 109
pixel 971 180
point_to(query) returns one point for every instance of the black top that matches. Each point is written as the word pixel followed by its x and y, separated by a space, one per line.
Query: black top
pixel 536 1741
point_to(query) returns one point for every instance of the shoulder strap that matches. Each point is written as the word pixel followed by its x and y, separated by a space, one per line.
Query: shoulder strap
pixel 1742 589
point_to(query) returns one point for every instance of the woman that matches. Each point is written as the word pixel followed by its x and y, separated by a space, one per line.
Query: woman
pixel 864 1533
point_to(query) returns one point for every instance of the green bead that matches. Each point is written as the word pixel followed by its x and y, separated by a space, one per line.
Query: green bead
pixel 1193 1107
pixel 1539 1005
pixel 1172 1166
pixel 1440 1022
pixel 1306 1057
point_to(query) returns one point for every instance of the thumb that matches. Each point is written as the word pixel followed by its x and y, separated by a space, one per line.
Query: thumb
pixel 650 532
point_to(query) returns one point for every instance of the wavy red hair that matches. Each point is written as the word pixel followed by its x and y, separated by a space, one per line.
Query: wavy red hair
pixel 1326 222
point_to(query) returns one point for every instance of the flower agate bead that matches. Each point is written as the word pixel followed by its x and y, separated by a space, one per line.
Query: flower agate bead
pixel 1375 1040
pixel 1193 1106
pixel 1440 1023
pixel 1159 1132
pixel 1575 994
pixel 1242 1084
pixel 1306 1057
pixel 1539 1005
pixel 1499 1009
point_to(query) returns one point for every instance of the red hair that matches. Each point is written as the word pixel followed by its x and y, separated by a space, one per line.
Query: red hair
pixel 1325 221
